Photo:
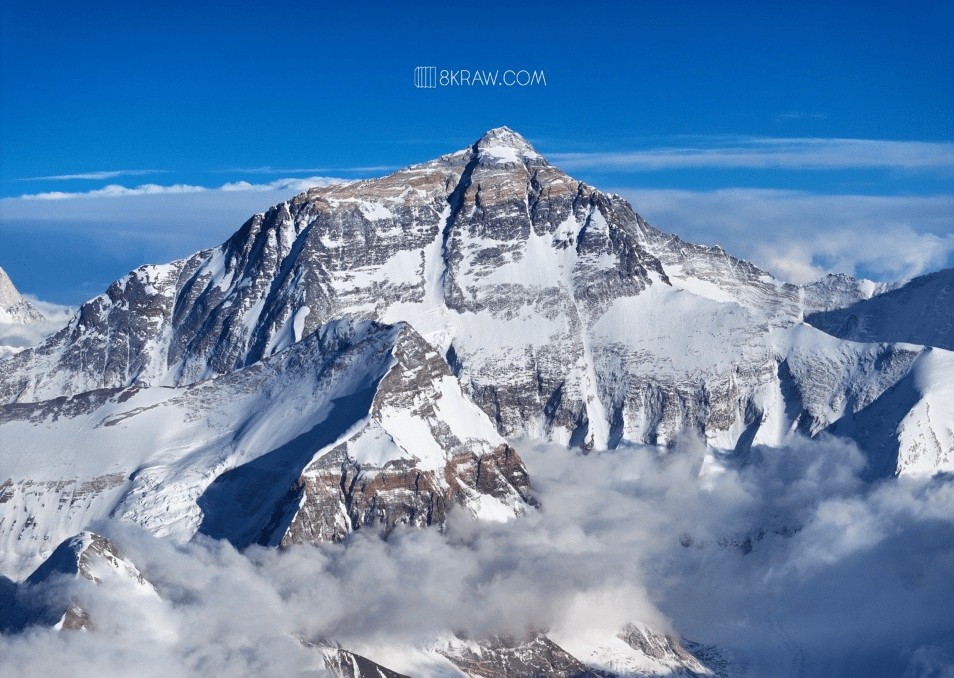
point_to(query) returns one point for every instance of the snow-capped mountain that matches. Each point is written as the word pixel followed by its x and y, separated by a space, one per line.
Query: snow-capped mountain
pixel 359 355
pixel 561 312
pixel 21 324
pixel 14 308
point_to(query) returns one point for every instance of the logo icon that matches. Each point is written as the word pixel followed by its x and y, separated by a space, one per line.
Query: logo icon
pixel 425 77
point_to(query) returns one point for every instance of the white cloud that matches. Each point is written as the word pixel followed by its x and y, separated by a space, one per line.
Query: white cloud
pixel 295 184
pixel 800 236
pixel 800 115
pixel 861 596
pixel 774 153
pixel 95 175
pixel 115 191
pixel 301 170
pixel 118 191
pixel 14 337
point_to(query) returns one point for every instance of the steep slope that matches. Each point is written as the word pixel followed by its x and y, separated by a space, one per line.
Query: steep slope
pixel 222 457
pixel 713 273
pixel 13 307
pixel 344 664
pixel 637 651
pixel 505 657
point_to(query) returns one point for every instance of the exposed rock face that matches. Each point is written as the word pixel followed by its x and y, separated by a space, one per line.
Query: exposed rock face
pixel 637 652
pixel 13 307
pixel 664 648
pixel 368 479
pixel 87 555
pixel 418 448
pixel 75 619
pixel 336 495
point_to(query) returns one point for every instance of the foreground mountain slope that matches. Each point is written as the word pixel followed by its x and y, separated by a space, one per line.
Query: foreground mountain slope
pixel 224 457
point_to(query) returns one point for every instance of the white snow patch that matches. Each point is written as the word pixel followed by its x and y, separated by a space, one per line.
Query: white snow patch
pixel 375 447
pixel 374 211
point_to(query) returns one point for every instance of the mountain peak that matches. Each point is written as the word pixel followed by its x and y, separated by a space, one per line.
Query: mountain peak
pixel 503 136
pixel 8 293
pixel 502 144
pixel 13 307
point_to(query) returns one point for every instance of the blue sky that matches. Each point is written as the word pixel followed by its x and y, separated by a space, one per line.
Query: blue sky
pixel 809 137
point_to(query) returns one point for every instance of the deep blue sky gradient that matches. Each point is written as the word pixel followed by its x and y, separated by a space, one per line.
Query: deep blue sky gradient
pixel 205 93
pixel 193 87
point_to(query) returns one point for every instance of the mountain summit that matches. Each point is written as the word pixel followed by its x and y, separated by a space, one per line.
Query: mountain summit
pixel 14 308
pixel 503 145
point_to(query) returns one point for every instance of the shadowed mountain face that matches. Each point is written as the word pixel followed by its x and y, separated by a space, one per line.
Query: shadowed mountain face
pixel 48 597
pixel 238 502
pixel 358 425
pixel 918 312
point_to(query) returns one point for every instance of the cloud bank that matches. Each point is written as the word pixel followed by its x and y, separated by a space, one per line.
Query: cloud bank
pixel 116 190
pixel 800 236
pixel 763 153
pixel 785 559
pixel 14 337
pixel 112 174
